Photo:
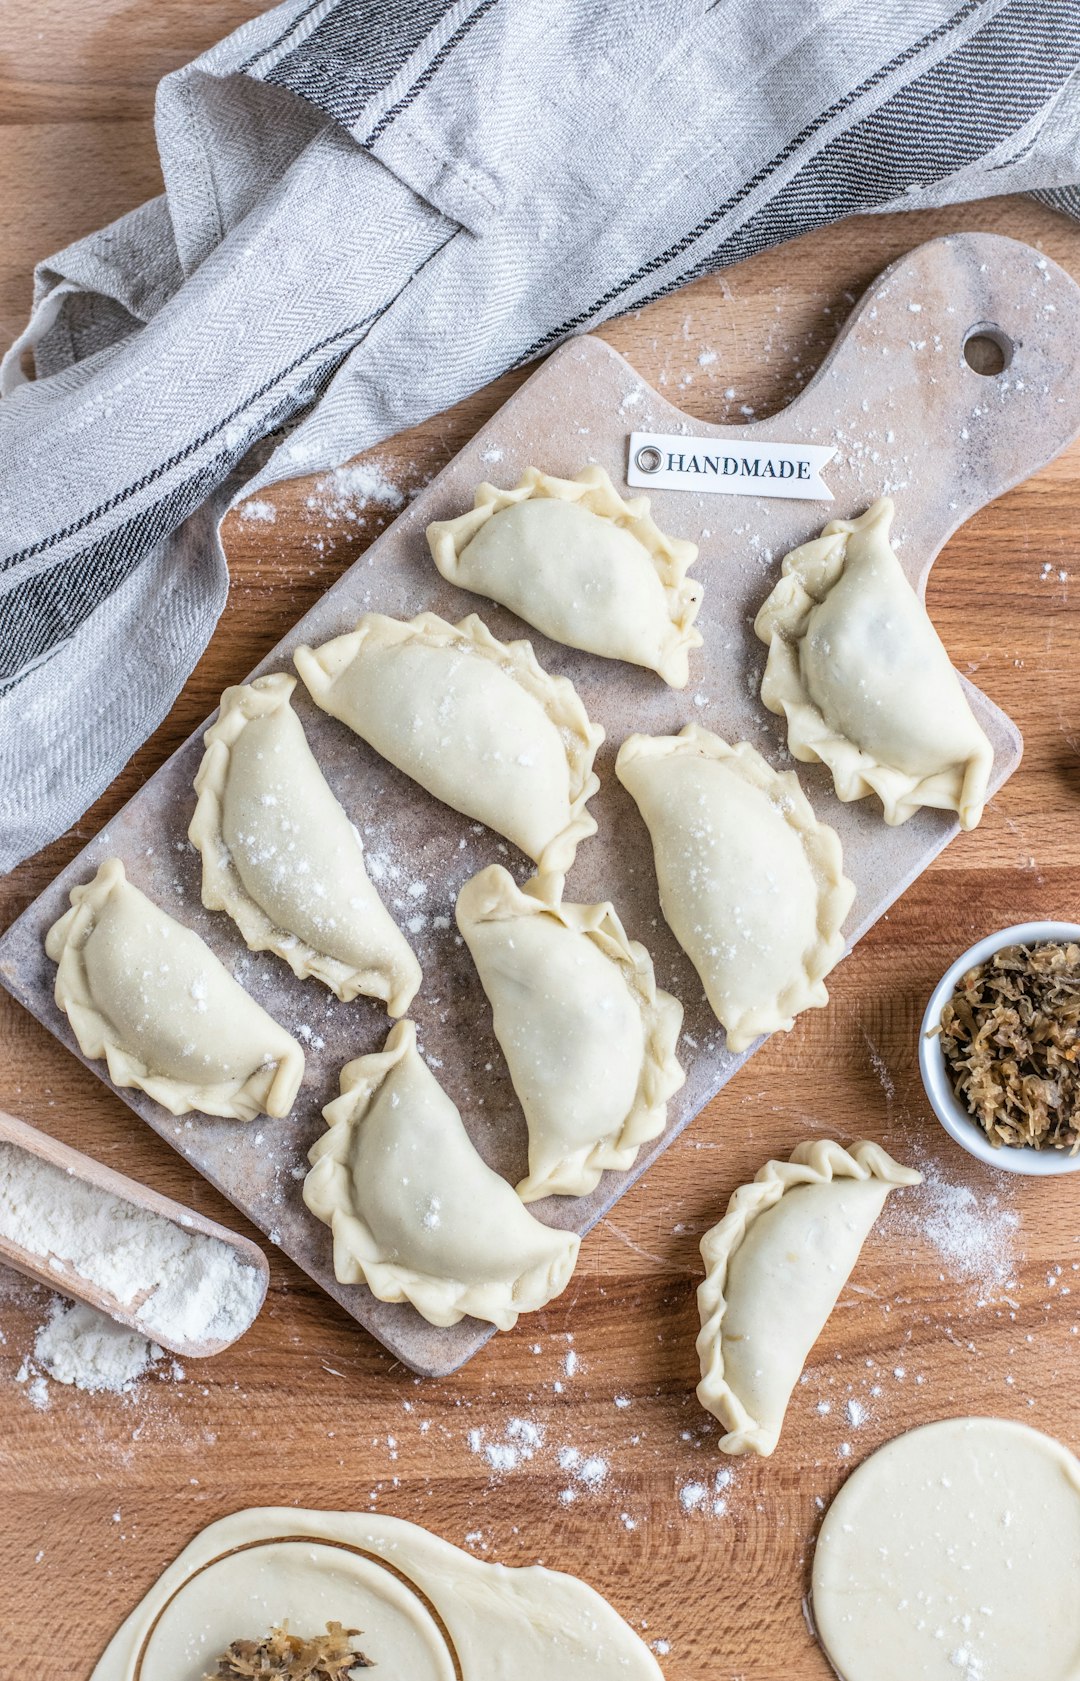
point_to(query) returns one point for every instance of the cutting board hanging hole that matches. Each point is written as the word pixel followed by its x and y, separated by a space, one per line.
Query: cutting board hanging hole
pixel 988 350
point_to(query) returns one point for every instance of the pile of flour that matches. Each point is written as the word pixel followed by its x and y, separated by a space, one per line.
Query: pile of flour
pixel 181 1285
pixel 80 1346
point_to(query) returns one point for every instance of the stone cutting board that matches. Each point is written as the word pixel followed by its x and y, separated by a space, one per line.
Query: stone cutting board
pixel 908 416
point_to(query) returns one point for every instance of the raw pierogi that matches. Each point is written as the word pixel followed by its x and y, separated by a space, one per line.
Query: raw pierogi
pixel 476 722
pixel 281 856
pixel 774 1268
pixel 588 569
pixel 588 1036
pixel 150 997
pixel 859 672
pixel 416 1213
pixel 751 884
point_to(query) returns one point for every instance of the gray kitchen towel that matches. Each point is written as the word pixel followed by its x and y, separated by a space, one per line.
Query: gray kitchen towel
pixel 372 208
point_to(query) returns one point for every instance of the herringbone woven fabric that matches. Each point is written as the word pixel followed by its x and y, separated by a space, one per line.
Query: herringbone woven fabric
pixel 373 207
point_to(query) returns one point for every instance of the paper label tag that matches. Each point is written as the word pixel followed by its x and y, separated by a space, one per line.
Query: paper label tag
pixel 673 461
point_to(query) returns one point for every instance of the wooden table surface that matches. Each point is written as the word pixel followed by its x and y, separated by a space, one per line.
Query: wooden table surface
pixel 961 1302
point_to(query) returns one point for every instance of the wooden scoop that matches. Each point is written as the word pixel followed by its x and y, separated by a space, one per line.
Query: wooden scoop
pixel 71 1283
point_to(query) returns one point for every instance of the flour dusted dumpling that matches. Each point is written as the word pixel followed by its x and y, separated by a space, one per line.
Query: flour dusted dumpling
pixel 150 997
pixel 476 722
pixel 415 1211
pixel 774 1269
pixel 588 569
pixel 280 855
pixel 588 1037
pixel 751 884
pixel 860 674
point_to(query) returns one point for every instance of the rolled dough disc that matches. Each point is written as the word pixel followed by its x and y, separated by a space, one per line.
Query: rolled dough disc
pixel 426 1610
pixel 307 1585
pixel 952 1554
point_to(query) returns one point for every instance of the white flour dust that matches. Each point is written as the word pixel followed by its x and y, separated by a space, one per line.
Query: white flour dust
pixel 79 1346
pixel 702 1497
pixel 343 497
pixel 258 512
pixel 974 1232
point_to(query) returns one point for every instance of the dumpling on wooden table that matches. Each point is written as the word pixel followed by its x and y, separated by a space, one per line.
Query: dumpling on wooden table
pixel 861 676
pixel 149 996
pixel 281 856
pixel 588 569
pixel 415 1212
pixel 588 1037
pixel 751 884
pixel 774 1269
pixel 475 721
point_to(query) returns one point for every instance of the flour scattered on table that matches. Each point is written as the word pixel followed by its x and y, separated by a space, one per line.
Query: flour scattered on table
pixel 692 1496
pixel 342 496
pixel 593 1472
pixel 881 1068
pixel 258 511
pixel 364 482
pixel 974 1233
pixel 79 1346
pixel 695 1496
pixel 37 1390
pixel 589 1473
pixel 85 1350
pixel 519 1441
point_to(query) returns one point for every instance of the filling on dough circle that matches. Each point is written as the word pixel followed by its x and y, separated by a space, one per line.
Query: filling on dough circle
pixel 305 1584
pixel 950 1555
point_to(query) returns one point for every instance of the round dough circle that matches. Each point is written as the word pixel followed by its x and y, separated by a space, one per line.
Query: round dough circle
pixel 951 1555
pixel 307 1584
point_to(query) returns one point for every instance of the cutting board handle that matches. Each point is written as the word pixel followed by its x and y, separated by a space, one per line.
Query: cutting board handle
pixel 930 428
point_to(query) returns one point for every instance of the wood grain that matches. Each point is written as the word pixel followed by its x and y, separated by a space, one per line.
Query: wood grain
pixel 304 1408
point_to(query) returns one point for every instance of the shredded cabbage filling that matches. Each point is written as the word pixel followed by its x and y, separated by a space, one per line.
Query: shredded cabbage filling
pixel 1011 1039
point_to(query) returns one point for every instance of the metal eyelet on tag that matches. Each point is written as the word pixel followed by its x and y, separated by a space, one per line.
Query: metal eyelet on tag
pixel 728 467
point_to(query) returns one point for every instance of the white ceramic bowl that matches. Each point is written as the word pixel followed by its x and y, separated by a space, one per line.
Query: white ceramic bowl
pixel 946 1106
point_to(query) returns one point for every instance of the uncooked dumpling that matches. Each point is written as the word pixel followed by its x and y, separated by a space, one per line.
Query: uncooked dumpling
pixel 774 1268
pixel 588 1036
pixel 415 1211
pixel 150 997
pixel 861 676
pixel 425 1610
pixel 280 855
pixel 751 884
pixel 588 569
pixel 476 722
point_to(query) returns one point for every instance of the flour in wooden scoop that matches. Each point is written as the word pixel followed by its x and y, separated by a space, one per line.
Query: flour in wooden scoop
pixel 183 1286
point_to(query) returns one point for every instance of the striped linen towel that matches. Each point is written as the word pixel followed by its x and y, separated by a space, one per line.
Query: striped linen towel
pixel 374 207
